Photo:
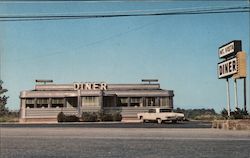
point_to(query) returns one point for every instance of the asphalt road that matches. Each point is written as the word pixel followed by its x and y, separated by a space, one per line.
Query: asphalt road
pixel 186 124
pixel 29 142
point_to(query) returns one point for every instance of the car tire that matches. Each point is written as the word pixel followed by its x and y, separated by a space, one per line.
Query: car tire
pixel 174 121
pixel 142 120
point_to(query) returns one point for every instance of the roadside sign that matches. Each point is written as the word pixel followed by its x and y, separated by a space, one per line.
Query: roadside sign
pixel 230 49
pixel 227 68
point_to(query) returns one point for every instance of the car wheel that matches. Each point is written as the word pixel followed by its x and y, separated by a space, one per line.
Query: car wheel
pixel 159 121
pixel 174 121
pixel 142 120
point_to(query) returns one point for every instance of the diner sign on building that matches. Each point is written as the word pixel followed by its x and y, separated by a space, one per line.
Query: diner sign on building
pixel 90 86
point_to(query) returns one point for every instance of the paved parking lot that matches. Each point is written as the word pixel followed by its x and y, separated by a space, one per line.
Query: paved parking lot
pixel 186 124
pixel 122 142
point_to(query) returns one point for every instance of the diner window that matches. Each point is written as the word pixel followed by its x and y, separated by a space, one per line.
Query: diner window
pixel 150 101
pixel 90 101
pixel 122 102
pixel 42 102
pixel 57 102
pixel 164 101
pixel 135 101
pixel 30 103
pixel 30 106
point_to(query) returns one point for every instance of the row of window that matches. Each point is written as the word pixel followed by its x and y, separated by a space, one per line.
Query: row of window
pixel 45 101
pixel 95 101
pixel 147 101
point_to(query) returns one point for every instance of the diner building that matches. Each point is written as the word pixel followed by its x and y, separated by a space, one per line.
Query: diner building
pixel 45 101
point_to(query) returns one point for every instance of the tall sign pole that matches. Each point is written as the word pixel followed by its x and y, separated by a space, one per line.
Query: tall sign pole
pixel 235 94
pixel 228 98
pixel 245 95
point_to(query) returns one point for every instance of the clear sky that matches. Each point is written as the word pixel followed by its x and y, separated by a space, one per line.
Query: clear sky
pixel 180 50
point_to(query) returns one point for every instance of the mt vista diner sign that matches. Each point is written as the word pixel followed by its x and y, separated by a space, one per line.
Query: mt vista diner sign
pixel 230 49
pixel 233 63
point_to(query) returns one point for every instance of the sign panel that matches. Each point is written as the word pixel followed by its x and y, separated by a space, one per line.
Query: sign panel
pixel 227 68
pixel 230 49
pixel 241 65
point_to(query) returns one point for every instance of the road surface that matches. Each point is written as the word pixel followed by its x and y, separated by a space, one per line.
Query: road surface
pixel 29 142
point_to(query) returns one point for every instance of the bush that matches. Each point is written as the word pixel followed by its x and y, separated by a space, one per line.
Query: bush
pixel 61 117
pixel 224 113
pixel 100 116
pixel 238 114
pixel 196 113
pixel 117 116
pixel 106 117
pixel 205 117
pixel 89 117
pixel 114 116
pixel 72 118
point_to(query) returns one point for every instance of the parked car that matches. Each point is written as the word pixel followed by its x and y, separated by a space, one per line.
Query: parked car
pixel 160 115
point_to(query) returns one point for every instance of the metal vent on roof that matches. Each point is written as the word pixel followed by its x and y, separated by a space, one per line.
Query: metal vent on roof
pixel 44 81
pixel 149 80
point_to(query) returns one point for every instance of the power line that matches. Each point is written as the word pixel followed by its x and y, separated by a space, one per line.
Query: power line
pixel 240 9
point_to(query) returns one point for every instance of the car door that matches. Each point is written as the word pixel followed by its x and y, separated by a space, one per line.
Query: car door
pixel 152 114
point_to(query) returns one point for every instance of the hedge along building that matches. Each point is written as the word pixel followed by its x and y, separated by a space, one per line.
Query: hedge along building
pixel 47 100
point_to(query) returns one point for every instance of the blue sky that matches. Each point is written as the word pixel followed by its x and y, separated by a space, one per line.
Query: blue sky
pixel 181 51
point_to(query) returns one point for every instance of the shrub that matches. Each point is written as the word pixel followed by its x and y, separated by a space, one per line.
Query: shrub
pixel 101 116
pixel 71 118
pixel 89 117
pixel 195 113
pixel 224 113
pixel 117 116
pixel 238 114
pixel 114 116
pixel 106 117
pixel 61 117
pixel 205 117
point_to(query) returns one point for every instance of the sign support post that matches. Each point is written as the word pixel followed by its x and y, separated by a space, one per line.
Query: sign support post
pixel 235 94
pixel 245 95
pixel 228 98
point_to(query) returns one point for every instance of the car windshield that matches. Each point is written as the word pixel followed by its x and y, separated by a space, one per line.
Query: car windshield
pixel 165 110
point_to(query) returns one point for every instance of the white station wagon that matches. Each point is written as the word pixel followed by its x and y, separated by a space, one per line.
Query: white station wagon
pixel 160 115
